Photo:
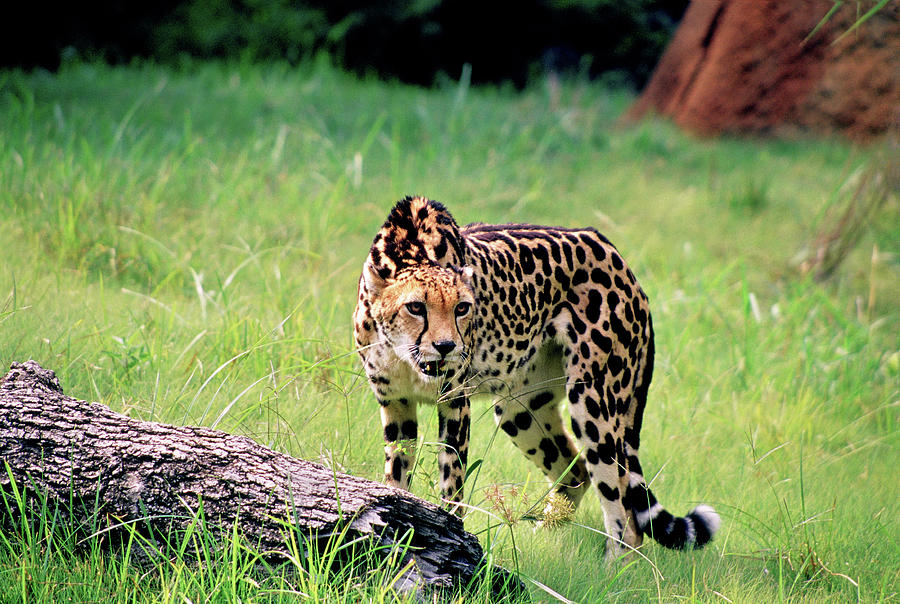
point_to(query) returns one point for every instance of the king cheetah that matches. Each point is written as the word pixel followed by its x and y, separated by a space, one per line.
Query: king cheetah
pixel 531 315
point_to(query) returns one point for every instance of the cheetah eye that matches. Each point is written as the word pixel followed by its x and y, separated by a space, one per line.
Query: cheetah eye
pixel 463 308
pixel 416 309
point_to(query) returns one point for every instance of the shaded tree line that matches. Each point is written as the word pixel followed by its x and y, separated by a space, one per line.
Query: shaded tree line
pixel 503 40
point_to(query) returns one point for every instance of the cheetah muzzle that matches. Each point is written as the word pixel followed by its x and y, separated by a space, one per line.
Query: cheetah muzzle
pixel 531 315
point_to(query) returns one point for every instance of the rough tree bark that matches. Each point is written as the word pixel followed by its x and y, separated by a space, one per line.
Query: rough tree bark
pixel 74 451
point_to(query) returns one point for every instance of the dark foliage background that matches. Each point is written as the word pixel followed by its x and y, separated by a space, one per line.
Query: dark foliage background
pixel 413 41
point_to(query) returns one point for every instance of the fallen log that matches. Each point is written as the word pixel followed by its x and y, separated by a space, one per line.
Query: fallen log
pixel 71 451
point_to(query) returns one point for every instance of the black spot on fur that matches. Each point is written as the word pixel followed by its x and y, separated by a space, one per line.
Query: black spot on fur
pixel 554 252
pixel 458 403
pixel 596 249
pixel 614 363
pixel 551 453
pixel 409 429
pixel 523 420
pixel 629 316
pixel 580 255
pixel 527 260
pixel 562 443
pixel 590 430
pixel 601 278
pixel 580 276
pixel 575 392
pixel 576 431
pixel 626 289
pixel 617 262
pixel 612 298
pixel 592 407
pixel 542 399
pixel 595 303
pixel 540 252
pixel 633 441
pixel 607 449
pixel 391 432
pixel 622 333
pixel 610 494
pixel 626 375
pixel 601 341
pixel 567 252
pixel 579 325
pixel 561 278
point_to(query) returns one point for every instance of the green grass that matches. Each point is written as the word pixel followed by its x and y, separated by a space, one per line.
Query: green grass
pixel 183 246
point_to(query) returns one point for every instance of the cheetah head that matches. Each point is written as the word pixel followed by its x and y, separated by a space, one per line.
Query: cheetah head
pixel 424 314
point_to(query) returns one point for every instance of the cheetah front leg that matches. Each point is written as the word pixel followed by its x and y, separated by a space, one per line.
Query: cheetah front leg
pixel 453 429
pixel 398 417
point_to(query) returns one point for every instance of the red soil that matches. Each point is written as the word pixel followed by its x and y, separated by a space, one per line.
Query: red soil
pixel 746 66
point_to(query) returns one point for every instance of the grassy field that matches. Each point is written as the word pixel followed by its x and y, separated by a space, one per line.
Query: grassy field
pixel 184 246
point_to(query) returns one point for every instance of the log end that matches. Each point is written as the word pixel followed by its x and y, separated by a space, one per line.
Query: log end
pixel 31 376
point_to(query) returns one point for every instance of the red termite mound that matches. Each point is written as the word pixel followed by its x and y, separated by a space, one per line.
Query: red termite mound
pixel 751 66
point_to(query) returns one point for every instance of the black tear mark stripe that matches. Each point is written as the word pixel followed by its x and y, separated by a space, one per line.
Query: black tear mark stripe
pixel 424 330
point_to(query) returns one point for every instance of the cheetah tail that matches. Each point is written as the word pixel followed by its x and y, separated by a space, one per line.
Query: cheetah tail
pixel 688 532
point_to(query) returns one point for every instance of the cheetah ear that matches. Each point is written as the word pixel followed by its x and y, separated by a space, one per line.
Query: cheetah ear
pixel 371 280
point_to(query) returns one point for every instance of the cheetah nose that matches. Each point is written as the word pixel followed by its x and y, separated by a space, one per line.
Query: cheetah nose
pixel 444 347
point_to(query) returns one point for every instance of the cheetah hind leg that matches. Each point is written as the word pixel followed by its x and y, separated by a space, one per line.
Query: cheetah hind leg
pixel 606 464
